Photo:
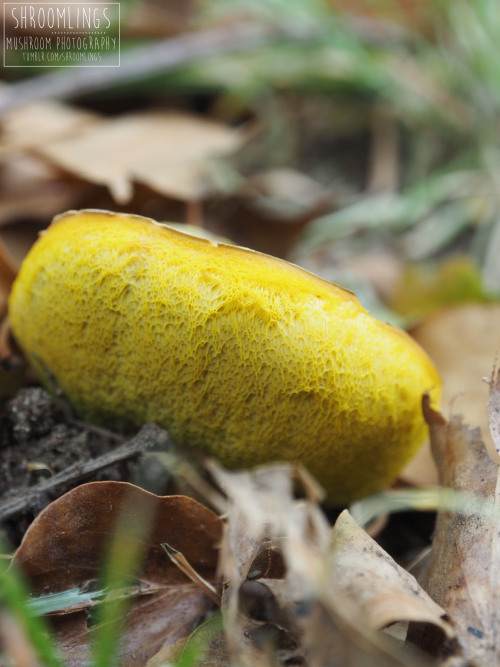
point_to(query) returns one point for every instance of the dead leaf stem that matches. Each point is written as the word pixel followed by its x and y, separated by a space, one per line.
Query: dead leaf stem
pixel 186 568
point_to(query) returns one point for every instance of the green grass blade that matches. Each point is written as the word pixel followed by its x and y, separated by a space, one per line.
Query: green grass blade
pixel 63 601
pixel 14 595
pixel 430 499
pixel 123 560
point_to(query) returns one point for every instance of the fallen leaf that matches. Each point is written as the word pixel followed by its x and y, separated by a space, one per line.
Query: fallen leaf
pixel 169 152
pixel 268 211
pixel 380 591
pixel 248 531
pixel 320 619
pixel 463 568
pixel 494 409
pixel 33 189
pixel 286 195
pixel 206 645
pixel 463 342
pixel 41 123
pixel 64 547
pixel 8 272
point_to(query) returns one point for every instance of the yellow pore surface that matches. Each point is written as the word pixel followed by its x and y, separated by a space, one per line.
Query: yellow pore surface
pixel 244 355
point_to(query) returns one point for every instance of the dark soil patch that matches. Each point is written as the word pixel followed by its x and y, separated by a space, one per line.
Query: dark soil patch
pixel 38 438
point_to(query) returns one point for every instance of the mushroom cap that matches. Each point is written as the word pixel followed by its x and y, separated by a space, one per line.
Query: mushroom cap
pixel 244 355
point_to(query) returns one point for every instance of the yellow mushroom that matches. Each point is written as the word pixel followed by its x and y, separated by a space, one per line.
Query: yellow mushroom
pixel 244 355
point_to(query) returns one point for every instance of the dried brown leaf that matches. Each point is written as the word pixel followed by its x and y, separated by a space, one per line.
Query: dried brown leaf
pixel 263 509
pixel 8 272
pixel 379 591
pixel 463 342
pixel 166 151
pixel 463 569
pixel 41 123
pixel 248 531
pixel 64 547
pixel 33 189
pixel 39 201
pixel 494 409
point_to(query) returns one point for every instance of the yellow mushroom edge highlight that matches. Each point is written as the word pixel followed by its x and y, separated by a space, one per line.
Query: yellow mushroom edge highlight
pixel 244 355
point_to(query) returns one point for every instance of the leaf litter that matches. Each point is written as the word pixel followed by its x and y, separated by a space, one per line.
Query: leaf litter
pixel 462 341
pixel 461 571
pixel 63 549
pixel 295 590
pixel 175 151
pixel 321 614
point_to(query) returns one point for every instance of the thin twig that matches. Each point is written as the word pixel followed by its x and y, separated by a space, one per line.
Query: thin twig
pixel 158 57
pixel 149 435
pixel 186 568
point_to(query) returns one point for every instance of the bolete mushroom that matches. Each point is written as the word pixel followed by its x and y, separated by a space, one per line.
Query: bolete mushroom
pixel 244 355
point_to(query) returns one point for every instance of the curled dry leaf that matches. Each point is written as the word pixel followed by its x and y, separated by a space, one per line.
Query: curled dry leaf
pixel 379 591
pixel 64 548
pixel 462 573
pixel 249 531
pixel 315 613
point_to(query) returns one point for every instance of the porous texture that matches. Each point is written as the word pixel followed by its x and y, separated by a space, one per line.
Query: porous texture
pixel 246 356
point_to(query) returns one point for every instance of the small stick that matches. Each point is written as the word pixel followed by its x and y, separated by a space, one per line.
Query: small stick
pixel 148 435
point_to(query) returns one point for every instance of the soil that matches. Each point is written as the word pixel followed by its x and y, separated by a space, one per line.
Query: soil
pixel 38 438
